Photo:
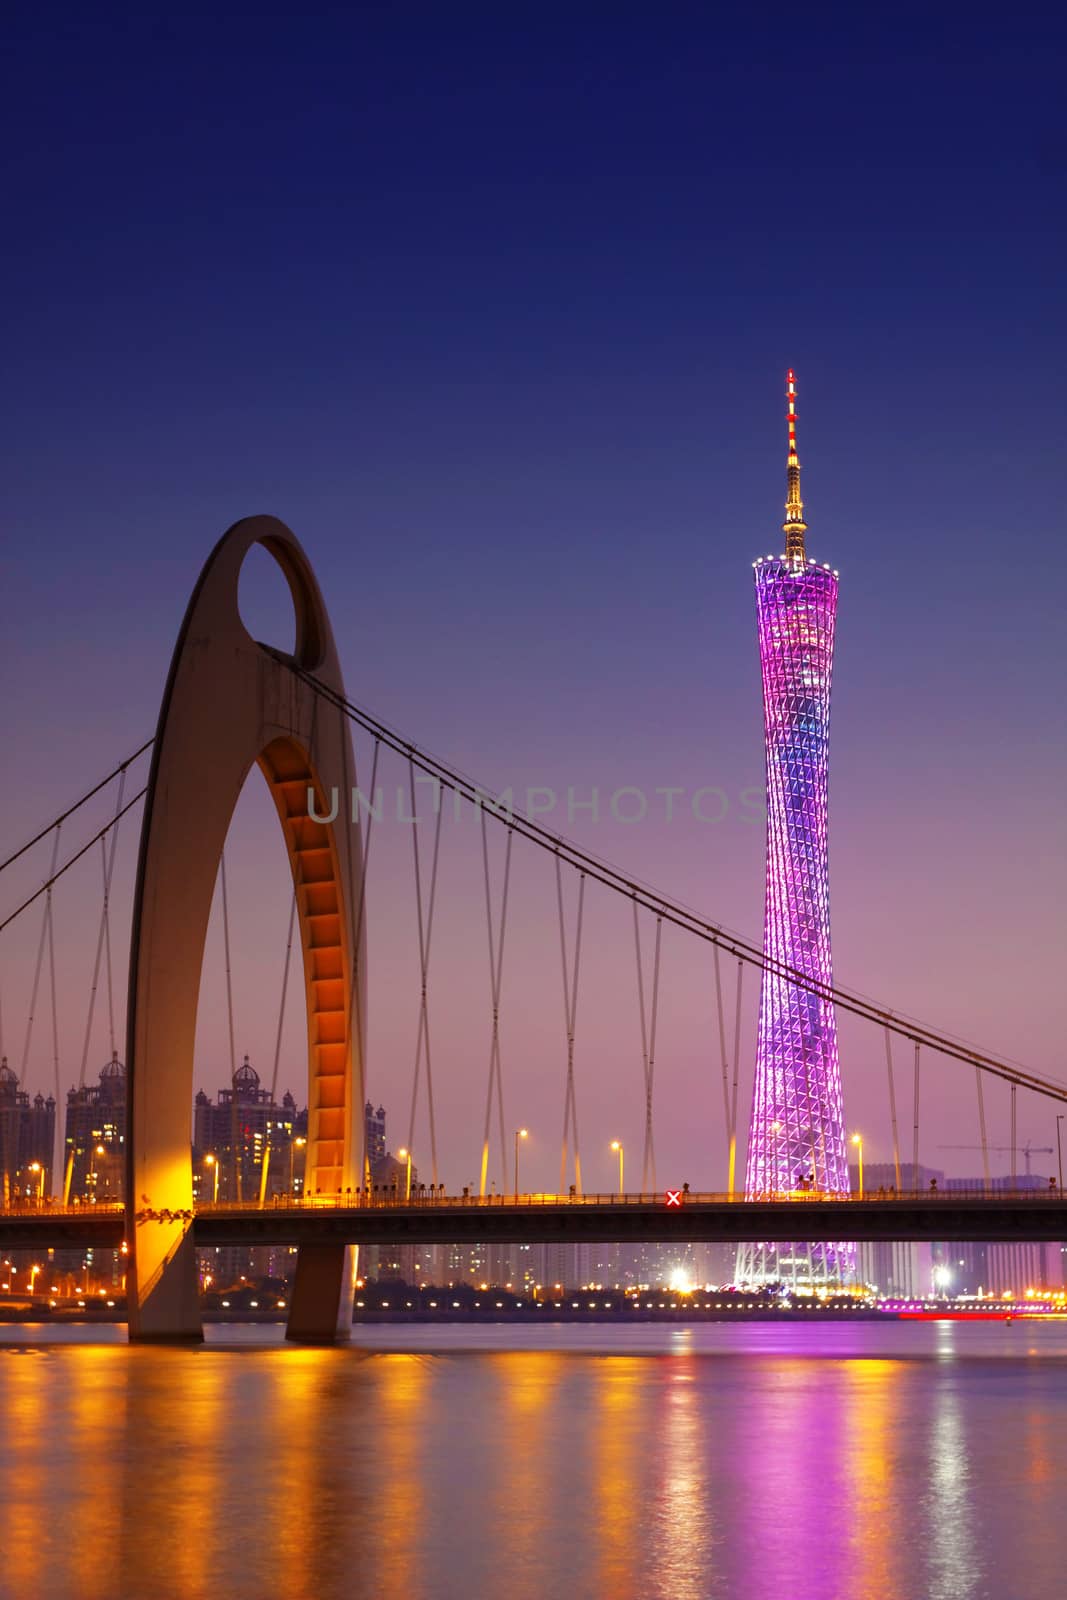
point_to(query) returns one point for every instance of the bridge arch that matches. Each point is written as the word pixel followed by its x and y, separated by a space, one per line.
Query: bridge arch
pixel 229 704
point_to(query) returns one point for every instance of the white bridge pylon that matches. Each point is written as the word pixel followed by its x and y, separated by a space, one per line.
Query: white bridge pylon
pixel 229 704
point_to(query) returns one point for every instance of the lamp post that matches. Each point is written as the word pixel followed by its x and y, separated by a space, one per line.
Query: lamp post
pixel 857 1140
pixel 520 1133
pixel 37 1167
pixel 1059 1148
pixel 405 1156
pixel 617 1146
pixel 294 1145
pixel 212 1162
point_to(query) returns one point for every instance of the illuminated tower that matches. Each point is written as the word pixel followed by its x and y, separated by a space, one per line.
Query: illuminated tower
pixel 796 1139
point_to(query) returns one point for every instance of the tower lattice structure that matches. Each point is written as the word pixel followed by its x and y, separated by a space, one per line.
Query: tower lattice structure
pixel 796 1139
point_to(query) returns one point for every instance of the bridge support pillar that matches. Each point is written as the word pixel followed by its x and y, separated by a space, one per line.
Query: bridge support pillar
pixel 166 1308
pixel 320 1310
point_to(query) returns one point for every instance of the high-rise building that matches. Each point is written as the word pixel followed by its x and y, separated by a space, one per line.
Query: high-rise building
pixel 246 1139
pixel 796 1137
pixel 95 1136
pixel 27 1138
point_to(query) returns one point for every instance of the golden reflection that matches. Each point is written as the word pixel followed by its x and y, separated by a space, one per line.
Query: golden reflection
pixel 174 1450
pixel 27 1434
pixel 517 1461
pixel 874 1416
pixel 397 1428
pixel 97 1396
pixel 618 1493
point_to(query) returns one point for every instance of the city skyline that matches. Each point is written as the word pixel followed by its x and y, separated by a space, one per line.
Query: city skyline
pixel 582 565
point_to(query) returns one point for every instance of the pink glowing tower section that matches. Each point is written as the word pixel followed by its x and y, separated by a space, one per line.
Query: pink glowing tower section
pixel 797 1139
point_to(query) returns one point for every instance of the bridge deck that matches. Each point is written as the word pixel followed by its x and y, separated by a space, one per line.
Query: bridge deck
pixel 595 1218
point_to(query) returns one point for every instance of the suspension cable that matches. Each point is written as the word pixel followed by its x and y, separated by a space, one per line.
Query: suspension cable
pixel 281 1004
pixel 55 875
pixel 982 1128
pixel 892 1105
pixel 355 997
pixel 727 1123
pixel 737 1069
pixel 103 940
pixel 88 795
pixel 50 918
pixel 234 1126
pixel 496 968
pixel 422 1046
pixel 915 1129
pixel 41 944
pixel 570 1014
pixel 680 916
pixel 648 1045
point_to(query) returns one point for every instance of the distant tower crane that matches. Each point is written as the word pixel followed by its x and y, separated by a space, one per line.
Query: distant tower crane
pixel 1026 1150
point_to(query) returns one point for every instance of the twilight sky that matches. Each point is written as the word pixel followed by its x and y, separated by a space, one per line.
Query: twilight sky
pixel 493 304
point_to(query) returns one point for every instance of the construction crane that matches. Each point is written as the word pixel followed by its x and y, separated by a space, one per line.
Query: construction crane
pixel 1025 1150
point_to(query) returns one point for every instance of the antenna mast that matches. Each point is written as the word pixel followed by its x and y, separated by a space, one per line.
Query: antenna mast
pixel 794 527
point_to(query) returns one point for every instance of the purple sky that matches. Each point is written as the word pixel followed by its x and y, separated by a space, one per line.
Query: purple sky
pixel 494 310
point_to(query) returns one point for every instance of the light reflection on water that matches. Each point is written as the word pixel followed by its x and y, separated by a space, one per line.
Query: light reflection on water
pixel 676 1464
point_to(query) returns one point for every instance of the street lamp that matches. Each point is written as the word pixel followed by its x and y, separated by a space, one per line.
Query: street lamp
pixel 520 1133
pixel 294 1145
pixel 857 1140
pixel 35 1166
pixel 616 1145
pixel 405 1156
pixel 212 1162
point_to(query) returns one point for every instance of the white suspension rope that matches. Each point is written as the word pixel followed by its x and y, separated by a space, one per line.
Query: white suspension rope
pixel 648 1046
pixel 982 1128
pixel 892 1105
pixel 234 1125
pixel 46 918
pixel 281 1004
pixel 915 1130
pixel 55 1018
pixel 355 999
pixel 496 968
pixel 737 1070
pixel 727 1121
pixel 422 1047
pixel 570 1014
pixel 103 941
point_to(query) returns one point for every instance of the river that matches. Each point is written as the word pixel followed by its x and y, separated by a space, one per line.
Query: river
pixel 760 1462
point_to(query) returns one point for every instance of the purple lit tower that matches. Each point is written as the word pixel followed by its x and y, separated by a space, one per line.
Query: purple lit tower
pixel 796 1140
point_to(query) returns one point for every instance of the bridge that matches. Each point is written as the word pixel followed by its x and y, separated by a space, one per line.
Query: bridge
pixel 1021 1216
pixel 231 704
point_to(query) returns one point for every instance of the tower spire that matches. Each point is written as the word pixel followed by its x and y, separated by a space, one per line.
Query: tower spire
pixel 794 527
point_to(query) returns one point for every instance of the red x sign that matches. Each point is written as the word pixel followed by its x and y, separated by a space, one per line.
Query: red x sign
pixel 674 1197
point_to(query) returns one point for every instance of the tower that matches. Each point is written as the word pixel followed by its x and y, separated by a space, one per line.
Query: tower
pixel 796 1138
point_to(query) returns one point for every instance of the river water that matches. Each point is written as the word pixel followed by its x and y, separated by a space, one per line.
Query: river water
pixel 764 1462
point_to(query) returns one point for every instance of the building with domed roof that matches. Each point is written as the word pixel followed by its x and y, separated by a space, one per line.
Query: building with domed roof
pixel 95 1135
pixel 27 1138
pixel 235 1132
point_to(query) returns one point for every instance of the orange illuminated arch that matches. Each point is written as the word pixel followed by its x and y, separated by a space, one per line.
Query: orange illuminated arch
pixel 231 703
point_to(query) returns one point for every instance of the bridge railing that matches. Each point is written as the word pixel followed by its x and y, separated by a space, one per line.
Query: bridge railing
pixel 436 1199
